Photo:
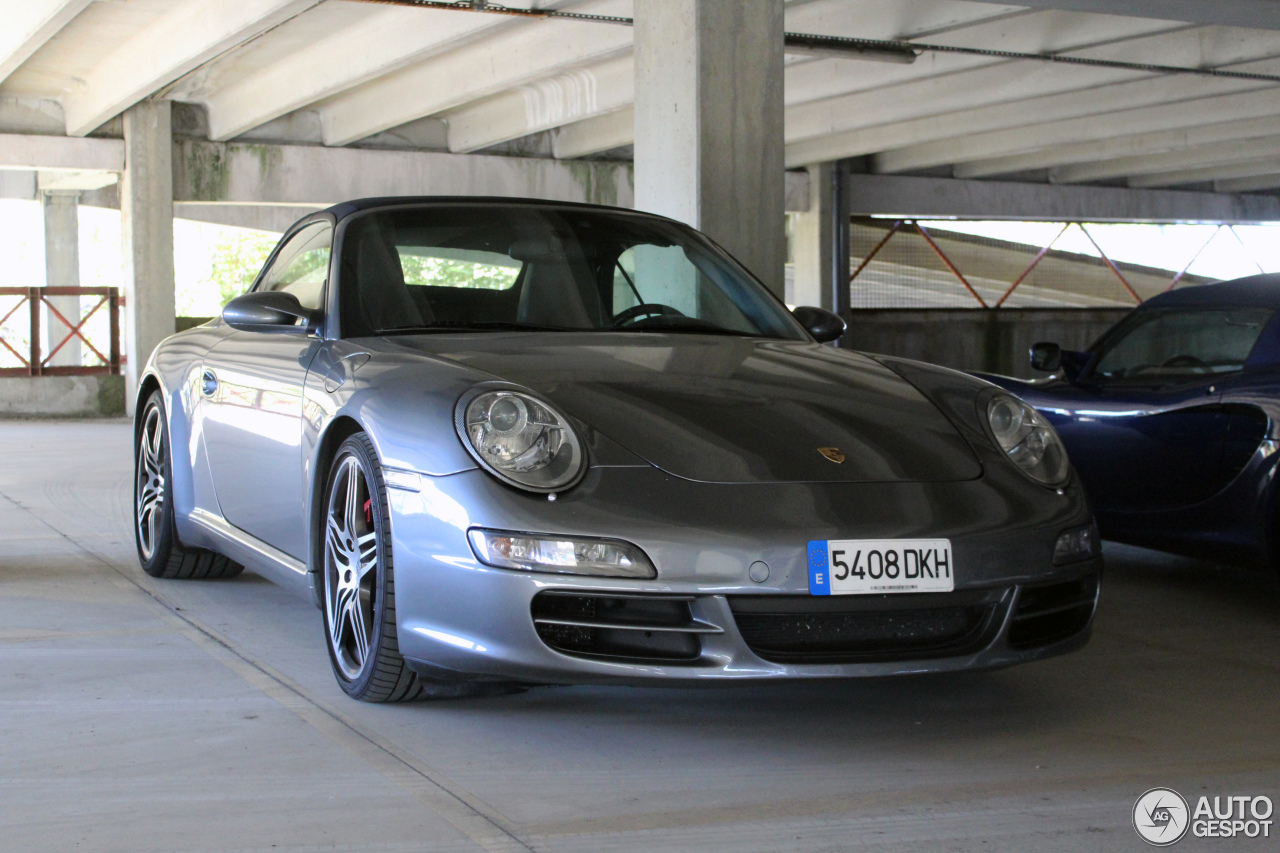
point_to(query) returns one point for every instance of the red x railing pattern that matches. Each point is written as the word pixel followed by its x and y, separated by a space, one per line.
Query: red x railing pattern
pixel 33 360
pixel 908 228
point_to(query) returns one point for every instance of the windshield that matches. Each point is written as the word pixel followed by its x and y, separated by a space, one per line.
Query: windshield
pixel 1171 344
pixel 459 268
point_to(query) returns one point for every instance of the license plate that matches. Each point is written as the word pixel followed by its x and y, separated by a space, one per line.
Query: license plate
pixel 878 566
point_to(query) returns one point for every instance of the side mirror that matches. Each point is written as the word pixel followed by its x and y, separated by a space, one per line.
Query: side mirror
pixel 270 311
pixel 1046 356
pixel 819 322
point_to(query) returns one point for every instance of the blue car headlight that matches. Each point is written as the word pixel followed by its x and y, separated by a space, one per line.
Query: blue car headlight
pixel 521 440
pixel 1028 440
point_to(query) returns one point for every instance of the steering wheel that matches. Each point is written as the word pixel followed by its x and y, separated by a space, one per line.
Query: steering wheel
pixel 644 309
pixel 1183 361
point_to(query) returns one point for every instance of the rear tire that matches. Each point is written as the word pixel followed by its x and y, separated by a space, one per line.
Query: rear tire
pixel 159 551
pixel 358 574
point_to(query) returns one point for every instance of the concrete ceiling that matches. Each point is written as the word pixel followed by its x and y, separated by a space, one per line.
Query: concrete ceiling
pixel 348 73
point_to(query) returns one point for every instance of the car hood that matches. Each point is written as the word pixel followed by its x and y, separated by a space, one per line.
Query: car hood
pixel 727 410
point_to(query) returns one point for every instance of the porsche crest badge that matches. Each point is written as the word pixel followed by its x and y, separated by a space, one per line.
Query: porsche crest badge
pixel 832 453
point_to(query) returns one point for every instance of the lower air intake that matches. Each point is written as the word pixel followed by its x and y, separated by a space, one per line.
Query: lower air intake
pixel 1053 612
pixel 804 629
pixel 620 627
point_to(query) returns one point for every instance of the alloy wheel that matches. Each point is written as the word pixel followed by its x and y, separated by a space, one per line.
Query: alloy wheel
pixel 351 562
pixel 149 490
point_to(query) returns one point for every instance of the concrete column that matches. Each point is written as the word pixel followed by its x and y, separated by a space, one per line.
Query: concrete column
pixel 61 269
pixel 146 212
pixel 811 242
pixel 709 123
pixel 841 238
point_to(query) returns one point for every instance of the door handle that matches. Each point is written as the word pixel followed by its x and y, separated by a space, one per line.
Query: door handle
pixel 208 383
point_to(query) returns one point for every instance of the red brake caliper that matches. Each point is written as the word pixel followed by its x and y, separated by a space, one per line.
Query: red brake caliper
pixel 368 512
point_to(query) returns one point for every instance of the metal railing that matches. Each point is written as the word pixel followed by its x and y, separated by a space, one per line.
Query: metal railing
pixel 32 358
pixel 903 260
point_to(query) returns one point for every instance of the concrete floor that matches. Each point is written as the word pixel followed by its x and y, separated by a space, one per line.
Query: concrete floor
pixel 141 715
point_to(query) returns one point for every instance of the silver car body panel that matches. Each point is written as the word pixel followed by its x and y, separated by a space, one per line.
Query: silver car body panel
pixel 458 615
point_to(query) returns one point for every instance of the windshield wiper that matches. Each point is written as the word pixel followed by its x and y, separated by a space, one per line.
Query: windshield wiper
pixel 428 328
pixel 682 329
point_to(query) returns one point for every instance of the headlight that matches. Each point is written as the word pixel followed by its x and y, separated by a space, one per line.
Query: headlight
pixel 521 440
pixel 572 555
pixel 1028 439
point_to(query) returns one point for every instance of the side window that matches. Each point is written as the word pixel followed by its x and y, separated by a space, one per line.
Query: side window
pixel 302 266
pixel 1183 343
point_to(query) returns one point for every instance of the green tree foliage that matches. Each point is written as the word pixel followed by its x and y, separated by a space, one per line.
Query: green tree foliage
pixel 237 259
pixel 445 272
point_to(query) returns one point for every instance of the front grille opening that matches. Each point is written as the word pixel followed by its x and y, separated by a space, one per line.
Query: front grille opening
pixel 1052 613
pixel 663 612
pixel 863 633
pixel 636 628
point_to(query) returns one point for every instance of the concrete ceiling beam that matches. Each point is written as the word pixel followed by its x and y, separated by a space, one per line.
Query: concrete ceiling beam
pixel 909 196
pixel 1148 105
pixel 596 134
pixel 1201 156
pixel 317 176
pixel 931 135
pixel 1122 145
pixel 892 19
pixel 386 39
pixel 182 39
pixel 543 104
pixel 32 152
pixel 1217 172
pixel 517 55
pixel 943 23
pixel 996 81
pixel 1248 185
pixel 1262 14
pixel 28 25
pixel 68 181
pixel 947 83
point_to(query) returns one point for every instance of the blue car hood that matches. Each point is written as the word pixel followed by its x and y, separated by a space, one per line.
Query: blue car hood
pixel 719 409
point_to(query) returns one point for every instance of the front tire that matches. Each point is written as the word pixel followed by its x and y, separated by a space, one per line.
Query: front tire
pixel 359 588
pixel 359 584
pixel 159 551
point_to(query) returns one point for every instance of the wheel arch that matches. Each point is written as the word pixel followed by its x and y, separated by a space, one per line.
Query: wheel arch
pixel 337 431
pixel 148 385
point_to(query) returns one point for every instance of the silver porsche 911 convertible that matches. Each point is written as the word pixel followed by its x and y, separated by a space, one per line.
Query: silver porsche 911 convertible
pixel 517 442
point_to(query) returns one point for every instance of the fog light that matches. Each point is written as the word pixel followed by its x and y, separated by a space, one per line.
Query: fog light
pixel 571 555
pixel 1075 545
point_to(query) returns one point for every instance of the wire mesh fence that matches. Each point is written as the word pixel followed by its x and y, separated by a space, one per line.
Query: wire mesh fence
pixel 909 263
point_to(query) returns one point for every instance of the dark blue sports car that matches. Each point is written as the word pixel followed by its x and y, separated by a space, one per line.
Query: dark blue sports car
pixel 1171 420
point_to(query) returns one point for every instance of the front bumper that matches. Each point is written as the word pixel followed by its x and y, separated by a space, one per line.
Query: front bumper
pixel 459 618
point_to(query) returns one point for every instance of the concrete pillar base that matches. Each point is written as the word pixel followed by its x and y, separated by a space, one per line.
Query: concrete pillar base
pixel 98 396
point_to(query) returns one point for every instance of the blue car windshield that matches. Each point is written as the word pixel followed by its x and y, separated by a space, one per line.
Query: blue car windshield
pixel 441 268
pixel 1169 344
